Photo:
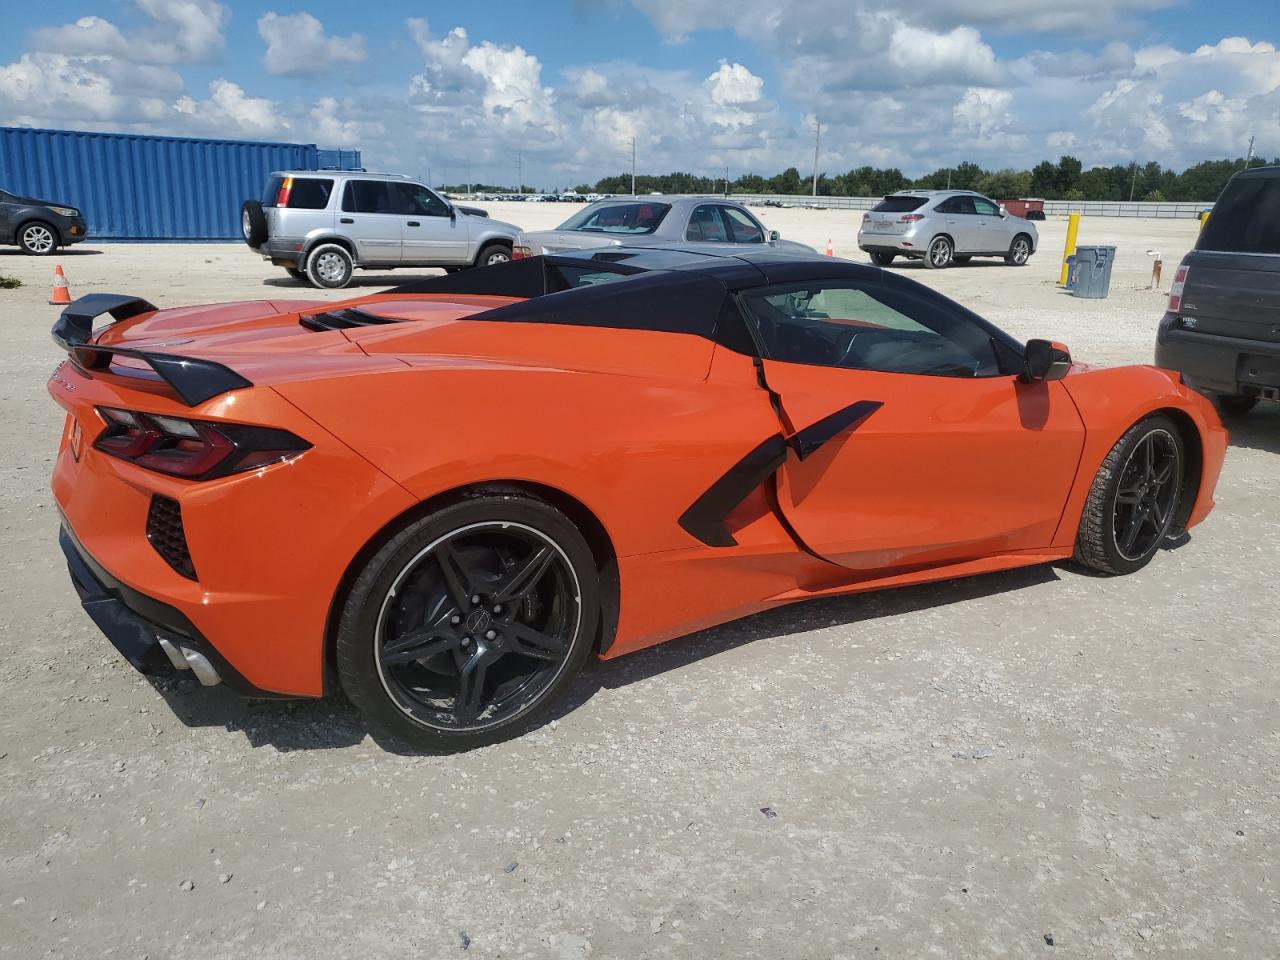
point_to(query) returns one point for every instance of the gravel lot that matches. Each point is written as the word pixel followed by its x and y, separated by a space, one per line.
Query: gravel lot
pixel 1031 763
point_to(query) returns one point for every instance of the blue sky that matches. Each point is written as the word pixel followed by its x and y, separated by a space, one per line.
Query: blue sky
pixel 700 84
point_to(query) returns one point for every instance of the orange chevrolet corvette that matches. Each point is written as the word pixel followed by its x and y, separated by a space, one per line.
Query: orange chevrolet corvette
pixel 444 498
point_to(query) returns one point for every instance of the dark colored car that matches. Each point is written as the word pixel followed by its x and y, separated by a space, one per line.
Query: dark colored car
pixel 1222 328
pixel 38 226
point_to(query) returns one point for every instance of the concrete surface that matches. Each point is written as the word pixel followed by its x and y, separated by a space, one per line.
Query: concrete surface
pixel 964 770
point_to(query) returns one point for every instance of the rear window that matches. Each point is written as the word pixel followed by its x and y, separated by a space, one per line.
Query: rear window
pixel 1246 218
pixel 899 204
pixel 304 193
pixel 632 218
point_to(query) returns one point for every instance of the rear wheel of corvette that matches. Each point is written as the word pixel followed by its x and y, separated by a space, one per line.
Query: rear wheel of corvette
pixel 329 265
pixel 470 623
pixel 1135 495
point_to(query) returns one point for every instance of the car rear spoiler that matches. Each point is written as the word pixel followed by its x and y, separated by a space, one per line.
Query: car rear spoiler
pixel 194 380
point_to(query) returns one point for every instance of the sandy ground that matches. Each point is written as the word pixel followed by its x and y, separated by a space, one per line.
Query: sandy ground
pixel 965 770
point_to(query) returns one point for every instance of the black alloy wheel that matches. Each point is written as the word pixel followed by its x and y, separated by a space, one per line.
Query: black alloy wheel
pixel 1134 499
pixel 465 626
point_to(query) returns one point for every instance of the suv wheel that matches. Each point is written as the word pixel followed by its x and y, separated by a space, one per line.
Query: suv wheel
pixel 881 259
pixel 494 254
pixel 297 274
pixel 329 265
pixel 1019 251
pixel 37 238
pixel 940 253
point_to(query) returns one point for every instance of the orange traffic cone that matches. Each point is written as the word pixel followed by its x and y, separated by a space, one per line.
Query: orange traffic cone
pixel 830 252
pixel 61 294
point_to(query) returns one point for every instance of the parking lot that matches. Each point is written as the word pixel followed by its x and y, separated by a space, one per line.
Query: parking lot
pixel 1031 762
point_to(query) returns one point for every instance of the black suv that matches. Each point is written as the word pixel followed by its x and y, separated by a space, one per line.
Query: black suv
pixel 38 226
pixel 1222 328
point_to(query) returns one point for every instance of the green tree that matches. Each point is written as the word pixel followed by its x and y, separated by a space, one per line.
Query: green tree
pixel 1006 184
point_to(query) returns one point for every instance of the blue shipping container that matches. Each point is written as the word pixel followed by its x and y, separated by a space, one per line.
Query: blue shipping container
pixel 133 187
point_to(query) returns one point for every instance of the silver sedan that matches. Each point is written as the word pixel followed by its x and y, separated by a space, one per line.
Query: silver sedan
pixel 656 221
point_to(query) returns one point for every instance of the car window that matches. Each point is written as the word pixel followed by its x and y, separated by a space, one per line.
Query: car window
pixel 956 205
pixel 705 225
pixel 985 207
pixel 742 229
pixel 297 193
pixel 1246 218
pixel 587 276
pixel 633 218
pixel 898 204
pixel 868 327
pixel 415 200
pixel 367 196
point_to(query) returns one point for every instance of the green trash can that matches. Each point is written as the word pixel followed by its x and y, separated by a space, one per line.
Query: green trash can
pixel 1093 271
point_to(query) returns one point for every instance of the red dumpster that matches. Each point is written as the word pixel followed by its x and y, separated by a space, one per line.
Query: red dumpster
pixel 1030 209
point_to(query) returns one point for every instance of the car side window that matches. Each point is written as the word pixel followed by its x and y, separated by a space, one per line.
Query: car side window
pixel 985 207
pixel 367 196
pixel 415 200
pixel 868 326
pixel 742 229
pixel 705 225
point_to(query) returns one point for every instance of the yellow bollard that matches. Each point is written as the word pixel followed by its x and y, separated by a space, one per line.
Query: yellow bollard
pixel 1204 218
pixel 1073 227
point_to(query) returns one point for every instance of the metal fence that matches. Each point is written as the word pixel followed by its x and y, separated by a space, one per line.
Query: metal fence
pixel 133 187
pixel 1052 208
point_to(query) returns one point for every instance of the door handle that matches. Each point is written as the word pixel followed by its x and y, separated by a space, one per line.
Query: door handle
pixel 413 223
pixel 345 220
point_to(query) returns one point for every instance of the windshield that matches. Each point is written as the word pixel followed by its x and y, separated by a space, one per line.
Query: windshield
pixel 630 218
pixel 898 205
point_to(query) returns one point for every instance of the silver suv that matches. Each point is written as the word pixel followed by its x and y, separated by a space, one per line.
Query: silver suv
pixel 321 224
pixel 943 227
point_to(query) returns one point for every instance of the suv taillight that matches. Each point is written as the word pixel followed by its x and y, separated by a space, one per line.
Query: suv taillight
pixel 910 217
pixel 286 187
pixel 1175 292
pixel 521 253
pixel 193 449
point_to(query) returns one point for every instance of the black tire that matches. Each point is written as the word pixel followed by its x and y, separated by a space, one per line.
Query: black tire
pixel 297 274
pixel 962 258
pixel 329 265
pixel 493 254
pixel 37 238
pixel 1134 499
pixel 1019 251
pixel 881 259
pixel 1234 405
pixel 253 223
pixel 940 254
pixel 516 627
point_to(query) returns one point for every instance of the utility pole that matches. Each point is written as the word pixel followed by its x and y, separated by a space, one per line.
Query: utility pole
pixel 520 172
pixel 633 166
pixel 1133 185
pixel 817 136
pixel 726 179
pixel 429 183
pixel 1249 158
pixel 948 178
pixel 468 175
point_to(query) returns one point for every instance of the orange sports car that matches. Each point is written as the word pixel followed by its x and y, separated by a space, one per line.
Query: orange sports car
pixel 444 498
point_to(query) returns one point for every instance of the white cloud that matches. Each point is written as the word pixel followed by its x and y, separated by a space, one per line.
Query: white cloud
pixel 297 45
pixel 230 108
pixel 180 31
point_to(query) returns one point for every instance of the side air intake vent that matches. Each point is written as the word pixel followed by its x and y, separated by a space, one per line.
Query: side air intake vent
pixel 164 530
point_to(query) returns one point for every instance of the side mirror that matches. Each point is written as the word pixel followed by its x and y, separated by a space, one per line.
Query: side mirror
pixel 1043 360
pixel 774 235
pixel 1003 211
pixel 453 212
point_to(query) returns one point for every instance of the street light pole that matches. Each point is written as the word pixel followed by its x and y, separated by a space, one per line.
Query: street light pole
pixel 633 166
pixel 817 136
pixel 519 172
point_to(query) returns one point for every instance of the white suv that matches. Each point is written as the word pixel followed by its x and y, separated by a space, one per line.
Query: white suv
pixel 322 224
pixel 942 227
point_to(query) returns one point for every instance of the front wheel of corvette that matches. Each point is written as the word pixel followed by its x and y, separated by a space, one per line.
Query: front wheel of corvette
pixel 1131 506
pixel 470 623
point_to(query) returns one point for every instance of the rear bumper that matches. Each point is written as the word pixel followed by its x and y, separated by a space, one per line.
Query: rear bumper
pixel 1215 364
pixel 282 252
pixel 884 245
pixel 136 623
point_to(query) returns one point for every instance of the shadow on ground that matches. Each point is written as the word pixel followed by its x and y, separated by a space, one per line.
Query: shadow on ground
pixel 333 723
pixel 357 280
pixel 1259 429
pixel 54 257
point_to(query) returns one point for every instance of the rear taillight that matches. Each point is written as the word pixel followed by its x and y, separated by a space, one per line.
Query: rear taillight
pixel 193 449
pixel 866 217
pixel 910 217
pixel 521 253
pixel 286 187
pixel 1175 292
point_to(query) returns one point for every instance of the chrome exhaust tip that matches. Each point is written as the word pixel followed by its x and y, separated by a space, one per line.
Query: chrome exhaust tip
pixel 184 658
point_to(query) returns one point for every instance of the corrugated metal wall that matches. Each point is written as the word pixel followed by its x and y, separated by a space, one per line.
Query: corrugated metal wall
pixel 133 187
